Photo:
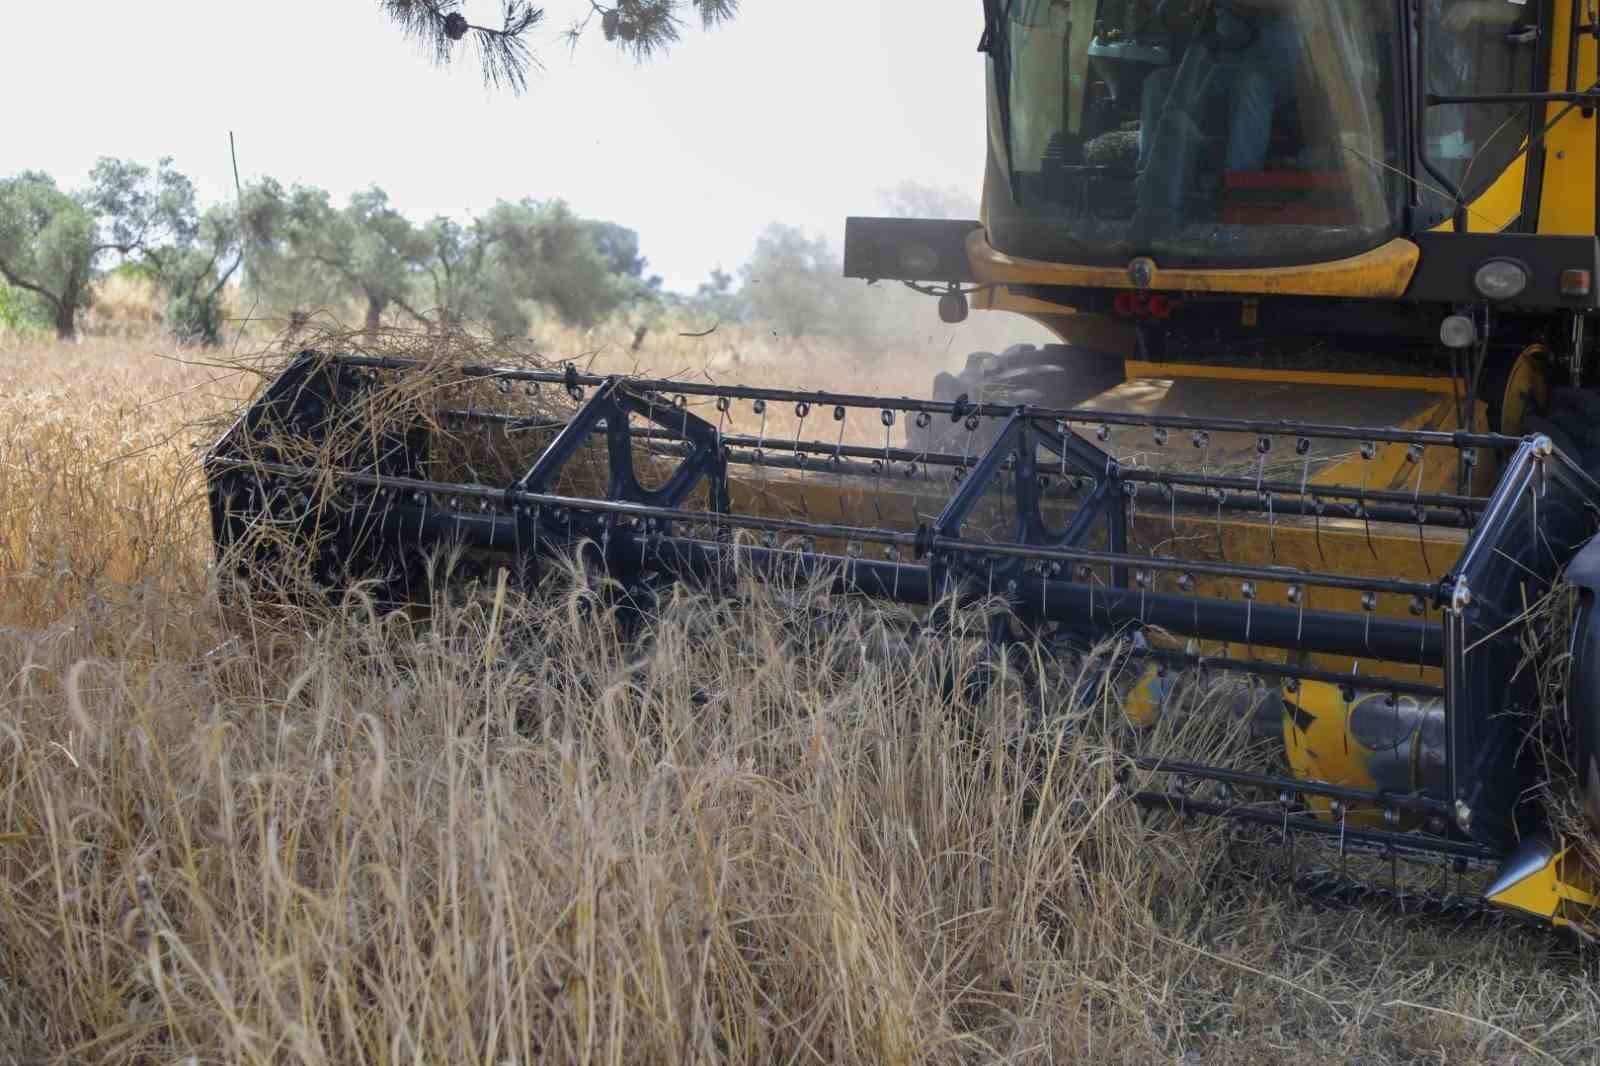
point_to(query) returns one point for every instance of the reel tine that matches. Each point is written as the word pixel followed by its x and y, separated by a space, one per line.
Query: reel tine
pixel 1369 450
pixel 838 447
pixel 1342 809
pixel 1369 605
pixel 1286 800
pixel 1222 551
pixel 886 416
pixel 802 411
pixel 1272 529
pixel 1416 453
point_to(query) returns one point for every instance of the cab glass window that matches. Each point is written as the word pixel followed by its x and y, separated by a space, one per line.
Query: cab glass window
pixel 1477 47
pixel 1200 132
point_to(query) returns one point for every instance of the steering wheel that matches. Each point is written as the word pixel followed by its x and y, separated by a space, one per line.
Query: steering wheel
pixel 1212 21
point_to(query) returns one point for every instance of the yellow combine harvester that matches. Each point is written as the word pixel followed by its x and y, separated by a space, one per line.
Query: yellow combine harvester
pixel 1321 272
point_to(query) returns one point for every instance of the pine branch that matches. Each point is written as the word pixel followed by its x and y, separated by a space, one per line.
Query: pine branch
pixel 647 26
pixel 437 25
pixel 714 13
pixel 642 27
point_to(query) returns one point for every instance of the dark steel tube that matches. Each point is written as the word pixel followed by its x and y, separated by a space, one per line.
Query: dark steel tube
pixel 1089 608
pixel 1397 800
pixel 824 398
pixel 863 534
pixel 1360 682
pixel 1290 488
pixel 946 459
pixel 1410 843
pixel 1098 608
pixel 1284 574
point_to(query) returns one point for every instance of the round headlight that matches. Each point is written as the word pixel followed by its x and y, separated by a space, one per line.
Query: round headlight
pixel 919 260
pixel 1500 279
pixel 1457 331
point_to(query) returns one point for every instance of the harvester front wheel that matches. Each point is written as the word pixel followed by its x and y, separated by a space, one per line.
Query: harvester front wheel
pixel 1051 375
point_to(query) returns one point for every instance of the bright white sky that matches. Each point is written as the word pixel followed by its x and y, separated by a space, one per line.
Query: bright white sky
pixel 801 111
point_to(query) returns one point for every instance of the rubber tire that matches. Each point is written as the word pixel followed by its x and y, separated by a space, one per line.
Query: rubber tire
pixel 1553 429
pixel 1575 415
pixel 1577 412
pixel 1052 375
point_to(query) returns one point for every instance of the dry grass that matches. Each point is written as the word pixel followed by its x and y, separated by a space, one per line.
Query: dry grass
pixel 763 837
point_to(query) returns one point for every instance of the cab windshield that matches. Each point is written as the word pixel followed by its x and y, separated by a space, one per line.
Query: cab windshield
pixel 1199 132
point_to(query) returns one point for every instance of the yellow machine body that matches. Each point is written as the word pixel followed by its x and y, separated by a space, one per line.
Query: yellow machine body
pixel 1062 241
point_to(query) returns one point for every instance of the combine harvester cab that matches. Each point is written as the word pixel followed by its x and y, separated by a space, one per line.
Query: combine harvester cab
pixel 1400 709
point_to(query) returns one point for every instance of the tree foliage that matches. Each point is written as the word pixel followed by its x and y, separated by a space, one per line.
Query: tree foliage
pixel 152 217
pixel 528 253
pixel 194 273
pixel 307 252
pixel 48 246
pixel 54 244
pixel 796 283
pixel 487 273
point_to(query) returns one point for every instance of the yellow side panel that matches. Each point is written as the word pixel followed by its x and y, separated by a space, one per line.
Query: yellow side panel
pixel 1566 202
pixel 1382 273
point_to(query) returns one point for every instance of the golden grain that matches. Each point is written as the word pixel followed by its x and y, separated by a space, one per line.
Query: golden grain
pixel 340 837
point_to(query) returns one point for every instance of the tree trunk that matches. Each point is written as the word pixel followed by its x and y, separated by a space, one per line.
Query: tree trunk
pixel 374 315
pixel 64 309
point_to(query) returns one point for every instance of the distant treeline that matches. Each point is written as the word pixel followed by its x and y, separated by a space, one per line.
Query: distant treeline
pixel 295 253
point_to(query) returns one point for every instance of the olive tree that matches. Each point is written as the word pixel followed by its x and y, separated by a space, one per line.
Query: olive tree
pixel 489 272
pixel 55 244
pixel 305 251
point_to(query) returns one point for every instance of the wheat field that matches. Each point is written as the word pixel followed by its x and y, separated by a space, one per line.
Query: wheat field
pixel 765 835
